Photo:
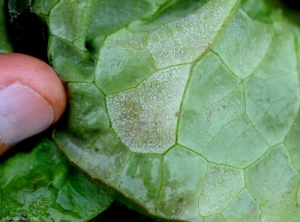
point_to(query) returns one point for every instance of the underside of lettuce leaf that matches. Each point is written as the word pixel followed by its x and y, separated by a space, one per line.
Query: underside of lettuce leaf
pixel 188 110
pixel 43 186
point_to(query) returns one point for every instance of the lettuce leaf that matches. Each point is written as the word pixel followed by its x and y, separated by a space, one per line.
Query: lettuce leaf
pixel 42 186
pixel 5 45
pixel 186 110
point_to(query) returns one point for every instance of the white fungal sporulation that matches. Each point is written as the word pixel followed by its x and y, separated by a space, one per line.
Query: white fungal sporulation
pixel 185 40
pixel 144 117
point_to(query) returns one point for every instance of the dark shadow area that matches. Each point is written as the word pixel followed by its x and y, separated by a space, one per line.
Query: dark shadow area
pixel 26 145
pixel 117 210
pixel 26 31
pixel 291 4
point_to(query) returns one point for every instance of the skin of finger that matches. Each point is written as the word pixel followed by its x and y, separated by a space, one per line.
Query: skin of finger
pixel 2 147
pixel 35 74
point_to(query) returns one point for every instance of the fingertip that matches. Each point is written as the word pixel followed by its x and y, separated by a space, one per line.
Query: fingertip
pixel 35 74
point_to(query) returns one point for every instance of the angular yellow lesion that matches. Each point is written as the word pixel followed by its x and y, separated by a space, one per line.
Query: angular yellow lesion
pixel 185 40
pixel 145 118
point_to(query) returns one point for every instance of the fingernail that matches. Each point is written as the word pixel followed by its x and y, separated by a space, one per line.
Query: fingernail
pixel 23 113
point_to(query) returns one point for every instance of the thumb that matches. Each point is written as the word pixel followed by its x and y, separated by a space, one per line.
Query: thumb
pixel 32 98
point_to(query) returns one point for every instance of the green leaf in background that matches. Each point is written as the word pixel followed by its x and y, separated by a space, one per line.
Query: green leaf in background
pixel 43 186
pixel 5 45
